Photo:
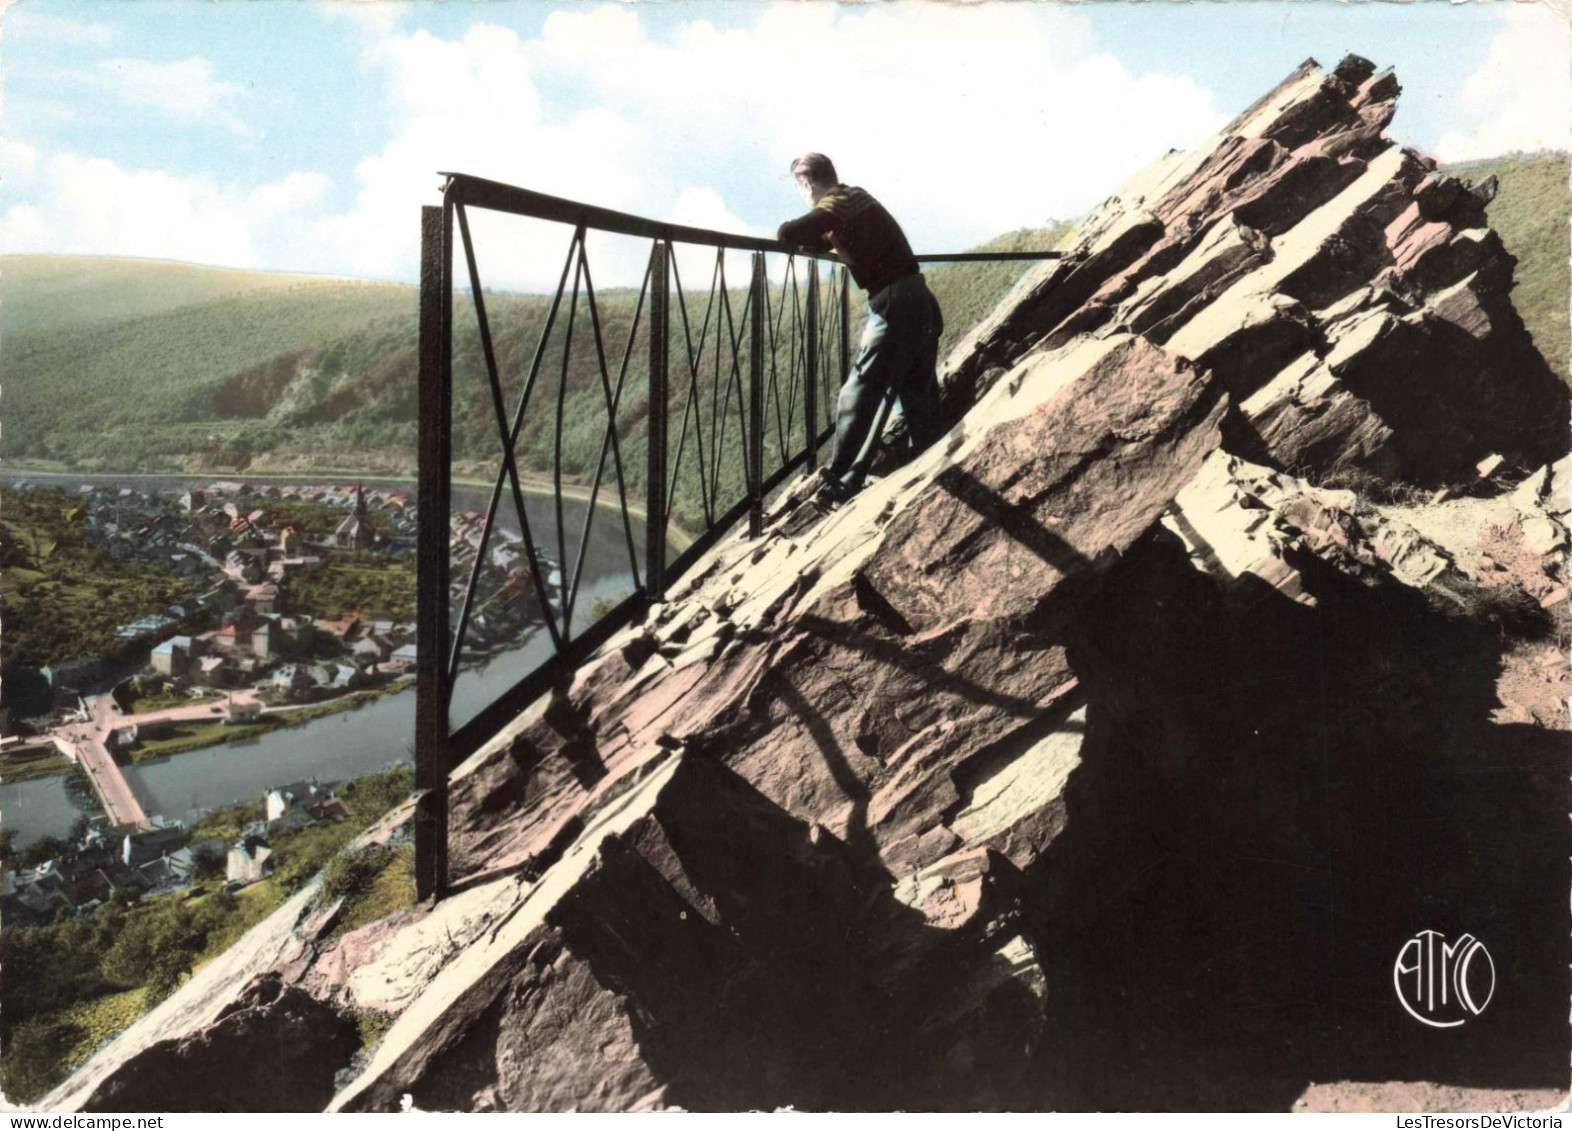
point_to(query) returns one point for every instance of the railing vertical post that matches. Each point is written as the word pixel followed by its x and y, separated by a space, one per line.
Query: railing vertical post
pixel 757 313
pixel 811 401
pixel 845 323
pixel 656 501
pixel 432 690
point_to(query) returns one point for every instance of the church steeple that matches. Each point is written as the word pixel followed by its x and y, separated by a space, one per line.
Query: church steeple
pixel 360 500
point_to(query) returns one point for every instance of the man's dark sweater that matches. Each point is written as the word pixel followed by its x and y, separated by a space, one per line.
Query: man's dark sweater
pixel 863 234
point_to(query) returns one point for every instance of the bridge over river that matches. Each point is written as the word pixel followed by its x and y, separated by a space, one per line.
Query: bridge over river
pixel 87 744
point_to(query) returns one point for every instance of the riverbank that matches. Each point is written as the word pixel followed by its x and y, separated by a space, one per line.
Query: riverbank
pixel 676 536
pixel 202 735
pixel 36 761
pixel 279 718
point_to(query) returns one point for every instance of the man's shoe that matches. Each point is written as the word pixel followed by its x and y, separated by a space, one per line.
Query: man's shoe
pixel 795 495
pixel 832 493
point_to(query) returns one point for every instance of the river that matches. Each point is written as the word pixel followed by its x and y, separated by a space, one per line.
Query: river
pixel 350 743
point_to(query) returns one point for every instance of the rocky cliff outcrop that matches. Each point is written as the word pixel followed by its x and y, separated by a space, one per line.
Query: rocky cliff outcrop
pixel 1349 294
pixel 1101 757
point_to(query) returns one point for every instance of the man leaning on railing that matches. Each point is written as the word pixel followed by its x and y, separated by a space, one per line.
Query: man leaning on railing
pixel 899 352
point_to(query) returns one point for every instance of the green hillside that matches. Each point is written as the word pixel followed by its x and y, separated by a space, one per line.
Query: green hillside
pixel 1531 212
pixel 113 363
pixel 214 370
pixel 968 292
pixel 56 292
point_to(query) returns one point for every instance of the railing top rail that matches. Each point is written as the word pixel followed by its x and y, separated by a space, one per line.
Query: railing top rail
pixel 987 256
pixel 500 197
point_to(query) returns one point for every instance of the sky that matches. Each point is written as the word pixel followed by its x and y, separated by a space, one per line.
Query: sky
pixel 303 135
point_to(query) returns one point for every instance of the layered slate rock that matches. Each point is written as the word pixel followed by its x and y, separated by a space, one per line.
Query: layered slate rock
pixel 1349 294
pixel 1045 772
pixel 704 947
pixel 1243 524
pixel 834 759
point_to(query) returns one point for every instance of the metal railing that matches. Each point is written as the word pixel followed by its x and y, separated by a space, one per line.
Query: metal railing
pixel 747 382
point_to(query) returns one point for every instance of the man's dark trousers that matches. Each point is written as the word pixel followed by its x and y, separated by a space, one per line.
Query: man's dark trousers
pixel 899 354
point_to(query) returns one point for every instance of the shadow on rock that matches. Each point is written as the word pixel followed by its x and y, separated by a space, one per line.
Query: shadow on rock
pixel 1273 799
pixel 275 1048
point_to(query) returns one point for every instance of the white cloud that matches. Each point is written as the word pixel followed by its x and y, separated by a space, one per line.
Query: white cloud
pixel 92 206
pixel 293 194
pixel 373 17
pixel 27 22
pixel 17 163
pixel 1521 98
pixel 699 206
pixel 184 89
pixel 471 106
pixel 966 120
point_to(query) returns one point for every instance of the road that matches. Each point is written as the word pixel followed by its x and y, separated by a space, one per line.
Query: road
pixel 87 743
pixel 206 711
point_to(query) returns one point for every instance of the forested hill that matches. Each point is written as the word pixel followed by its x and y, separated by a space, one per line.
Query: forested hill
pixel 114 363
pixel 70 292
pixel 137 365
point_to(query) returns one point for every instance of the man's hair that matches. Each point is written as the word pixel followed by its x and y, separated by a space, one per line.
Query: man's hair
pixel 819 168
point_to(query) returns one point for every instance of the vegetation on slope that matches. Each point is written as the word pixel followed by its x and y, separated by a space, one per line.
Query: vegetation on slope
pixel 1531 213
pixel 142 387
pixel 72 985
pixel 968 292
pixel 68 292
pixel 61 598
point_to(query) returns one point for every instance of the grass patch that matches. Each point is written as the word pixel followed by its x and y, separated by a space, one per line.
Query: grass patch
pixel 1530 213
pixel 301 853
pixel 375 881
pixel 44 1050
pixel 373 1026
pixel 227 823
pixel 1372 488
pixel 252 904
pixel 133 704
pixel 37 762
pixel 184 737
